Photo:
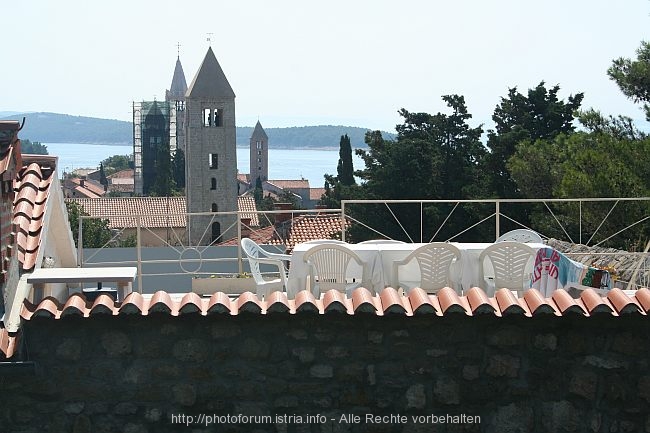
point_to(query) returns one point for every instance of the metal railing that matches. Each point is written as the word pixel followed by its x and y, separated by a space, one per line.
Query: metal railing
pixel 186 257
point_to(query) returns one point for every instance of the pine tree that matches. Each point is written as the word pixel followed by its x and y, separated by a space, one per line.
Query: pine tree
pixel 345 169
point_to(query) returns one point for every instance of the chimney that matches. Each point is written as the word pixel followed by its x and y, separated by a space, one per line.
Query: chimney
pixel 283 216
pixel 82 181
pixel 245 227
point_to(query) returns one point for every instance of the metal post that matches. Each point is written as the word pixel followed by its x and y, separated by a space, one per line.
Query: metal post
pixel 343 221
pixel 139 239
pixel 498 222
pixel 421 221
pixel 240 265
pixel 80 242
pixel 580 216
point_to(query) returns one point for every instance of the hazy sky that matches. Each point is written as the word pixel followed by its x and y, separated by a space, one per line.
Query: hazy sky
pixel 296 63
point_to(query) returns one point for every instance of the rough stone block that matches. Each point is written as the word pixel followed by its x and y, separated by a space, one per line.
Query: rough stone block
pixel 503 365
pixel 584 384
pixel 545 341
pixel 116 343
pixel 321 371
pixel 416 398
pixel 446 390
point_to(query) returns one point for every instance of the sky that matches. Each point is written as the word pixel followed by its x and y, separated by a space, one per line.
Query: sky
pixel 300 63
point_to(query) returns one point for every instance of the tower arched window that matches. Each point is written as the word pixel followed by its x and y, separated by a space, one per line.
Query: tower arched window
pixel 216 232
pixel 213 183
pixel 215 208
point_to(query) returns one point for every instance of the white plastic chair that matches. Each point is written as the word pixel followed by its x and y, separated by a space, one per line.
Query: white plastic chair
pixel 521 235
pixel 510 262
pixel 325 241
pixel 435 260
pixel 256 256
pixel 328 264
pixel 381 241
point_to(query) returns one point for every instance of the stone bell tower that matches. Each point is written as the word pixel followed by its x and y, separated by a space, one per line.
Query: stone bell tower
pixel 210 154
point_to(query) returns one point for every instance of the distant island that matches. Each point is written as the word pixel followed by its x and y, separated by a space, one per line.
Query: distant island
pixel 64 128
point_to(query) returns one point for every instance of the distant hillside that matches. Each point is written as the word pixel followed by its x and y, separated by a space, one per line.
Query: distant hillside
pixel 63 128
pixel 308 136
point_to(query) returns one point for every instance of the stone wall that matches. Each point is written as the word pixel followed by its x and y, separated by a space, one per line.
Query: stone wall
pixel 135 373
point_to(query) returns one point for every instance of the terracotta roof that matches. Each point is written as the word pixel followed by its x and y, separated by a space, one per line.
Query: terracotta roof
pixel 388 302
pixel 122 174
pixel 155 211
pixel 264 236
pixel 90 188
pixel 7 343
pixel 32 185
pixel 316 193
pixel 290 184
pixel 303 228
pixel 246 203
pixel 311 227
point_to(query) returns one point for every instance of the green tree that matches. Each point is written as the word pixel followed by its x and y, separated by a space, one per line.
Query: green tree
pixel 633 76
pixel 345 168
pixel 163 184
pixel 35 147
pixel 102 176
pixel 539 115
pixel 258 192
pixel 178 169
pixel 585 164
pixel 434 157
pixel 116 163
pixel 620 127
pixel 96 233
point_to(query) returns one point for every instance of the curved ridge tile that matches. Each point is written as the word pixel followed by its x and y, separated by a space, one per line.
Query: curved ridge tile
pixel 363 301
pixel 594 303
pixel 621 302
pixel 566 304
pixel 508 302
pixel 450 302
pixel 537 304
pixel 643 298
pixel 220 303
pixel 392 302
pixel 421 303
pixel 305 301
pixel 134 303
pixel 190 303
pixel 48 307
pixel 104 304
pixel 248 302
pixel 75 305
pixel 333 300
pixel 161 302
pixel 277 302
pixel 478 301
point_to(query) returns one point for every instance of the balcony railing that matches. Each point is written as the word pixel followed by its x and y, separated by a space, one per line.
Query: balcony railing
pixel 177 257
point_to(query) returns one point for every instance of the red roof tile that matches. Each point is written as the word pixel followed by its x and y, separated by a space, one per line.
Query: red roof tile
pixel 89 189
pixel 316 193
pixel 31 187
pixel 418 302
pixel 290 184
pixel 122 174
pixel 362 301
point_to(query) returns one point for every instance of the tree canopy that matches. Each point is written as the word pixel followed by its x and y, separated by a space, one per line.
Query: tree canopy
pixel 633 76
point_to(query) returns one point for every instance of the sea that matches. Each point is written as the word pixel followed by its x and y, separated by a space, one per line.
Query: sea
pixel 310 164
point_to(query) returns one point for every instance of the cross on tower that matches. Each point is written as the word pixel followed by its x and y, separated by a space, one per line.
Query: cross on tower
pixel 210 39
pixel 178 49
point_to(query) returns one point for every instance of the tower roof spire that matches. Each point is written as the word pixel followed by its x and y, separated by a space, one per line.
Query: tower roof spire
pixel 179 85
pixel 258 132
pixel 210 81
